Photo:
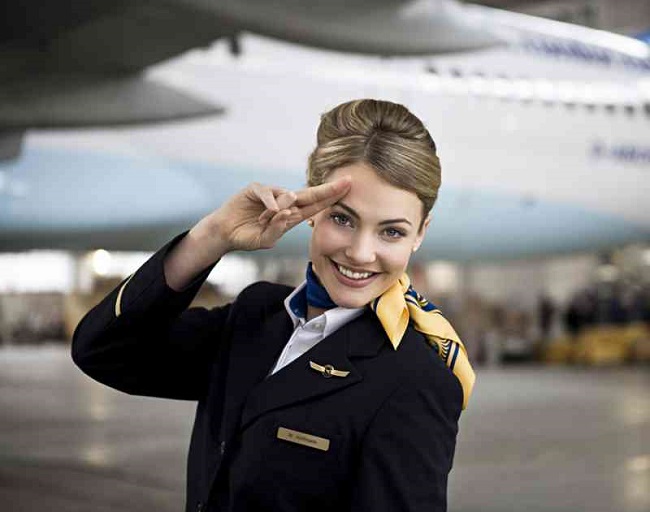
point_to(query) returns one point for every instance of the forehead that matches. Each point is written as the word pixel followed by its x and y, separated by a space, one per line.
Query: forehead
pixel 374 198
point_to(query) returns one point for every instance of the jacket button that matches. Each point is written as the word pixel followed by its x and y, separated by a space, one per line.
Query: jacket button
pixel 200 507
pixel 222 447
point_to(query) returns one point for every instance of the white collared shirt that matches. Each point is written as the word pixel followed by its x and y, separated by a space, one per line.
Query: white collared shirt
pixel 307 334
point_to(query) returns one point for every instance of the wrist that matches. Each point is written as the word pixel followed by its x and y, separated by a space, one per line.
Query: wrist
pixel 207 242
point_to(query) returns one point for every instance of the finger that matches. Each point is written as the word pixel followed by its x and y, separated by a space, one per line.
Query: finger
pixel 312 209
pixel 284 201
pixel 295 217
pixel 265 195
pixel 276 228
pixel 278 191
pixel 332 190
pixel 266 216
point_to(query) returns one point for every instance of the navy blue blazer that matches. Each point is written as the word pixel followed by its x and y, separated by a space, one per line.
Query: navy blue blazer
pixel 390 424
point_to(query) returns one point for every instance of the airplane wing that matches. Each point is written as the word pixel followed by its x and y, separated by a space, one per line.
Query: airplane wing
pixel 71 64
pixel 100 36
pixel 128 36
pixel 380 27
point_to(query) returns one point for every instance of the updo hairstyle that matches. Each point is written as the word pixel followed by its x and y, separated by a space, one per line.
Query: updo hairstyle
pixel 386 136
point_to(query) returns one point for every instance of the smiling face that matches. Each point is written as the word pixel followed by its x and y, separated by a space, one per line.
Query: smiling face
pixel 361 245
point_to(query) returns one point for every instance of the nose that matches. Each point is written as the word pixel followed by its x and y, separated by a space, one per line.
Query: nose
pixel 361 249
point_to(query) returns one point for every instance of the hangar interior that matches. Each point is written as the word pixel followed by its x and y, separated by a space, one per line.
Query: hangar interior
pixel 560 420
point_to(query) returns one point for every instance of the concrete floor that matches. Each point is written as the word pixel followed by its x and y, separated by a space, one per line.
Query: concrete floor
pixel 533 439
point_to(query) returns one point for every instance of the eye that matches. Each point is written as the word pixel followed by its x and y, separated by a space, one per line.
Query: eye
pixel 394 233
pixel 341 219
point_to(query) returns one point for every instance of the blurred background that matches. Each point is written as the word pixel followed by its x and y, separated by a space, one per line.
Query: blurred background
pixel 122 125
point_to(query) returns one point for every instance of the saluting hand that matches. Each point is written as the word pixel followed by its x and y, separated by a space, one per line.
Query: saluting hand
pixel 255 218
pixel 258 216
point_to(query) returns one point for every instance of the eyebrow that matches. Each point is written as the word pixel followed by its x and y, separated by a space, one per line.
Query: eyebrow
pixel 356 215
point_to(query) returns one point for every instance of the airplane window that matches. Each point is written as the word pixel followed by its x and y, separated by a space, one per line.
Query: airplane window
pixel 591 107
pixel 610 109
pixel 630 110
pixel 456 72
pixel 646 107
pixel 432 70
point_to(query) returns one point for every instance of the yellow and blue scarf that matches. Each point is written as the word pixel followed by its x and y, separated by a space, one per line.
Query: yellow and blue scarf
pixel 398 306
pixel 401 304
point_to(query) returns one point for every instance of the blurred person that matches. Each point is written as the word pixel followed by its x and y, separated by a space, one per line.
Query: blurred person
pixel 545 314
pixel 582 311
pixel 633 302
pixel 572 318
pixel 517 343
pixel 341 394
pixel 495 336
pixel 644 304
pixel 473 324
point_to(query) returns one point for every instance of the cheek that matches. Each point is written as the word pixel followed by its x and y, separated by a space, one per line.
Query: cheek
pixel 327 239
pixel 396 259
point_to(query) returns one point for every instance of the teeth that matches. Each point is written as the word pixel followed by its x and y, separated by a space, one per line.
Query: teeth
pixel 351 274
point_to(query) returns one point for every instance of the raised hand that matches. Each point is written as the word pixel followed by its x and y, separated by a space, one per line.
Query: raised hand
pixel 255 218
pixel 309 201
pixel 258 216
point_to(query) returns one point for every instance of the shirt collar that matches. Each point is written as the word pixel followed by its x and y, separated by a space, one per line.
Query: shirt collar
pixel 331 320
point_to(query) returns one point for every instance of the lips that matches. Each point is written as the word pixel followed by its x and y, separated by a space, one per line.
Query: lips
pixel 352 278
pixel 353 274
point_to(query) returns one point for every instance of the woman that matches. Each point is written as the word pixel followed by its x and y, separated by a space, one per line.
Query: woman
pixel 326 397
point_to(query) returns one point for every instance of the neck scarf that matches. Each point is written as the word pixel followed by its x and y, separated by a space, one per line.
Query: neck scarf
pixel 400 304
pixel 395 308
pixel 317 295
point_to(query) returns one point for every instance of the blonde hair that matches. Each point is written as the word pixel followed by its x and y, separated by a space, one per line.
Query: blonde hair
pixel 385 135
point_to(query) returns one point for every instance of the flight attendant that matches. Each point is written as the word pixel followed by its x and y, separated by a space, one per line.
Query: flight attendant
pixel 341 394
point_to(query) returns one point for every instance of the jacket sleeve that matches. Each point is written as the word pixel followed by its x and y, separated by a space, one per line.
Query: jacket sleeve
pixel 408 450
pixel 140 338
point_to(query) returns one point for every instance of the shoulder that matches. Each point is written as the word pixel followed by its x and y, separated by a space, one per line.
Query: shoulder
pixel 264 291
pixel 261 298
pixel 419 369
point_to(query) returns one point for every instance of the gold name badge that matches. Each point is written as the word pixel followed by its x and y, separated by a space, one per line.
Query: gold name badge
pixel 293 436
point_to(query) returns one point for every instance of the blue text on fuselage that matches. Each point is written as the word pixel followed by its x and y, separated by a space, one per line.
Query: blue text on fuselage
pixel 585 52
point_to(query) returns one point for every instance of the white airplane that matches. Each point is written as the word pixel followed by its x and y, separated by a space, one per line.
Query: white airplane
pixel 544 143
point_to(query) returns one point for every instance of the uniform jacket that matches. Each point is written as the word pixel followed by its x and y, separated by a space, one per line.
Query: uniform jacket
pixel 391 423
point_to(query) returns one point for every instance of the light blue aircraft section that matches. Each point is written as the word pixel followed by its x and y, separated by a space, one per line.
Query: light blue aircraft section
pixel 90 200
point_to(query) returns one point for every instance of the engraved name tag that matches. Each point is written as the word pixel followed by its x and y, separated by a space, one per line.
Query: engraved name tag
pixel 293 436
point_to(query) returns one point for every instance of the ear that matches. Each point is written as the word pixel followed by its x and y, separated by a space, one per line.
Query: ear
pixel 420 236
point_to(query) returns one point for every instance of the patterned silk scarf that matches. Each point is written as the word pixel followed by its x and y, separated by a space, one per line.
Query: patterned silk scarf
pixel 401 303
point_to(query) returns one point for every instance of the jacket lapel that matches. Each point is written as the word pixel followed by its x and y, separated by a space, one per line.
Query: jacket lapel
pixel 298 382
pixel 249 362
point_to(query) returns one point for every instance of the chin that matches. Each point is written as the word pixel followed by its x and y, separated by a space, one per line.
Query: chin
pixel 351 303
pixel 353 298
